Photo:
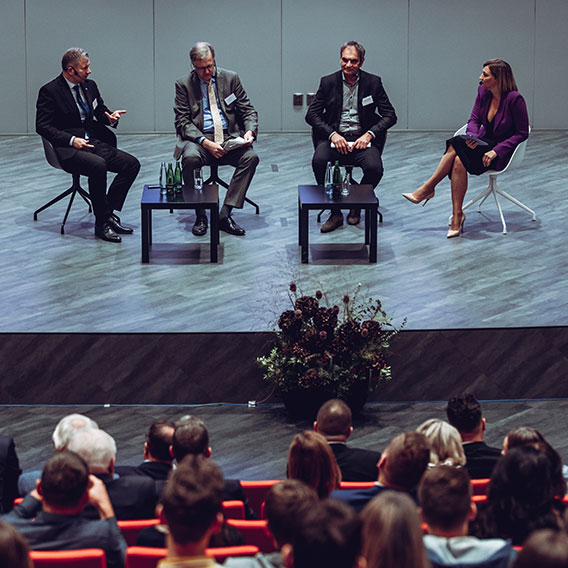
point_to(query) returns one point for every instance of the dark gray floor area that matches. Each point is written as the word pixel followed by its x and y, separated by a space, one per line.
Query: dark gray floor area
pixel 252 443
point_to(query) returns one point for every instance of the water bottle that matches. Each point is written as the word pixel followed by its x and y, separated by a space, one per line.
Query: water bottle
pixel 177 178
pixel 170 180
pixel 328 185
pixel 346 185
pixel 336 180
pixel 163 178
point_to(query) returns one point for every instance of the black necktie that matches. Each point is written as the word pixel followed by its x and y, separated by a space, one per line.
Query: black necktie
pixel 82 103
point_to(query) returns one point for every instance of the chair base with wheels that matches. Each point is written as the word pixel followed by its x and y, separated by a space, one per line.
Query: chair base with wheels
pixel 214 178
pixel 75 188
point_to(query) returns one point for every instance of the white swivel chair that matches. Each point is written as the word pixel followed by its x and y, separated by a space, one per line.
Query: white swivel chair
pixel 494 189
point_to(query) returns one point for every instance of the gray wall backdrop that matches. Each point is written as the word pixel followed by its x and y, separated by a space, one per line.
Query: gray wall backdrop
pixel 428 52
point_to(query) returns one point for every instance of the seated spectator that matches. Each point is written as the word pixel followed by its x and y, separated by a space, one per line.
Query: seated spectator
pixel 286 504
pixel 49 518
pixel 447 507
pixel 329 535
pixel 334 423
pixel 132 497
pixel 192 512
pixel 544 549
pixel 64 431
pixel 9 473
pixel 520 497
pixel 445 442
pixel 464 413
pixel 311 460
pixel 392 533
pixel 14 552
pixel 400 468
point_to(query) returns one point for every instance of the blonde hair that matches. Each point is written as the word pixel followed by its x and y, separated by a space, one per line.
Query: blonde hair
pixel 445 442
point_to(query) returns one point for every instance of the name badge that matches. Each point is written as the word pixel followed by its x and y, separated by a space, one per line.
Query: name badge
pixel 367 100
pixel 230 99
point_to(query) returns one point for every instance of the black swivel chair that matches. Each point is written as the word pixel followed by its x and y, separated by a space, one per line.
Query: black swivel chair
pixel 214 178
pixel 51 157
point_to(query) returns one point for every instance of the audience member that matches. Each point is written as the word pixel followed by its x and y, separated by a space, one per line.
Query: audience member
pixel 132 497
pixel 544 549
pixel 392 533
pixel 520 497
pixel 311 460
pixel 329 535
pixel 14 552
pixel 64 431
pixel 334 423
pixel 286 504
pixel 464 413
pixel 445 442
pixel 445 495
pixel 49 518
pixel 9 473
pixel 400 468
pixel 191 510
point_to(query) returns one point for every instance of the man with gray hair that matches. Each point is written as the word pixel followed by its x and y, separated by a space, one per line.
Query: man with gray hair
pixel 132 497
pixel 216 124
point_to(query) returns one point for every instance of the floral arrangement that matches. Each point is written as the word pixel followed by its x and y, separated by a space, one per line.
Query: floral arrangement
pixel 330 348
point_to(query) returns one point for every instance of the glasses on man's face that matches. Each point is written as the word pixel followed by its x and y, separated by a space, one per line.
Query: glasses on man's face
pixel 204 67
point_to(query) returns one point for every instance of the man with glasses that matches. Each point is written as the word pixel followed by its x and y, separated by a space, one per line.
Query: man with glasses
pixel 216 124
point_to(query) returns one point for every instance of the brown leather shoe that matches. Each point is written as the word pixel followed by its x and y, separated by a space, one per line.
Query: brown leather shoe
pixel 354 217
pixel 334 221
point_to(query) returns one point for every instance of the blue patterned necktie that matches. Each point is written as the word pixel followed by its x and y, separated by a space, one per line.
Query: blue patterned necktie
pixel 82 103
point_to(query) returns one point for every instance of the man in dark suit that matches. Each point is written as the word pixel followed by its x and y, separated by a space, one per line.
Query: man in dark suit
pixel 212 113
pixel 352 111
pixel 401 467
pixel 71 114
pixel 333 422
pixel 9 473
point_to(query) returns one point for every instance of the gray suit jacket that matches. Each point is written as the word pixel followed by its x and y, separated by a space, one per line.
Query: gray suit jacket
pixel 188 108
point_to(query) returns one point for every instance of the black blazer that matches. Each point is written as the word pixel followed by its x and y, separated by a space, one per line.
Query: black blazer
pixel 356 464
pixel 375 110
pixel 58 118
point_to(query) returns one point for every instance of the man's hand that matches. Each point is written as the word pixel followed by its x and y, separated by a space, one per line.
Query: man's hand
pixel 362 142
pixel 81 143
pixel 213 148
pixel 115 116
pixel 340 143
pixel 249 136
pixel 98 497
pixel 488 157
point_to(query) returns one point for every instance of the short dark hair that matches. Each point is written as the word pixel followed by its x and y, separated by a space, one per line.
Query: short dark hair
pixel 190 437
pixel 334 418
pixel 464 412
pixel 407 457
pixel 192 498
pixel 445 496
pixel 285 505
pixel 73 56
pixel 159 439
pixel 14 550
pixel 544 548
pixel 329 535
pixel 360 49
pixel 65 479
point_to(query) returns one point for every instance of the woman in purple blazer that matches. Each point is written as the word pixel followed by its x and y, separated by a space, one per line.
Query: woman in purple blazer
pixel 500 120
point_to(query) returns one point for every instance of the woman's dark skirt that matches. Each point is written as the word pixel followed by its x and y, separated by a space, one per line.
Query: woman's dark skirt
pixel 471 158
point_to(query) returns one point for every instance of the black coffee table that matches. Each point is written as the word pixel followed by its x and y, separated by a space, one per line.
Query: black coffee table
pixel 361 197
pixel 189 198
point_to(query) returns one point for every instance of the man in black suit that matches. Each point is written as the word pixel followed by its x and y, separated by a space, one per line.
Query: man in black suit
pixel 333 422
pixel 352 111
pixel 464 414
pixel 9 473
pixel 71 114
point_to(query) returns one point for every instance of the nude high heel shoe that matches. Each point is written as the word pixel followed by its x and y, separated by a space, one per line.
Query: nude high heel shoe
pixel 412 199
pixel 456 232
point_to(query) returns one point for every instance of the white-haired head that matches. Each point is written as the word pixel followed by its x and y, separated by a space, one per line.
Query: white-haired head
pixel 97 448
pixel 68 426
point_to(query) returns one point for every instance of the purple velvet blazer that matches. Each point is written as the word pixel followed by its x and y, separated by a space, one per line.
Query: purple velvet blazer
pixel 510 125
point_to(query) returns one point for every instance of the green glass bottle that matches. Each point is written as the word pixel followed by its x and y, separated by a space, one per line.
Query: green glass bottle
pixel 170 180
pixel 177 178
pixel 336 180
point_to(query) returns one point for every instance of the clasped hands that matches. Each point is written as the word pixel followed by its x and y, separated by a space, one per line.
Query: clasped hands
pixel 343 147
pixel 488 157
pixel 218 151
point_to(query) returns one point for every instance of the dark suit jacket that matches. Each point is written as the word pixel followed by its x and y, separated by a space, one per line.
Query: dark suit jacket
pixel 58 118
pixel 9 473
pixel 188 108
pixel 510 125
pixel 480 459
pixel 375 110
pixel 155 470
pixel 358 498
pixel 356 464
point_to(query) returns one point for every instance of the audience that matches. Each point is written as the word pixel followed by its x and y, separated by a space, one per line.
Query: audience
pixel 464 414
pixel 132 497
pixel 445 443
pixel 334 423
pixel 400 468
pixel 9 473
pixel 392 533
pixel 14 551
pixel 49 518
pixel 544 549
pixel 445 495
pixel 311 460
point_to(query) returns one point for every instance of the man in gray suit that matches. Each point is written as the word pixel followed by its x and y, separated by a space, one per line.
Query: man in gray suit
pixel 211 111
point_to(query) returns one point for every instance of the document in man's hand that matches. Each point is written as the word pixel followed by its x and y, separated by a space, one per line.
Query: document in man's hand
pixel 234 143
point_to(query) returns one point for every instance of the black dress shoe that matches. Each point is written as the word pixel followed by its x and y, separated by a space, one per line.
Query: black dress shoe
pixel 106 233
pixel 200 226
pixel 118 227
pixel 228 225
